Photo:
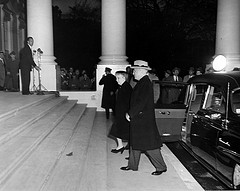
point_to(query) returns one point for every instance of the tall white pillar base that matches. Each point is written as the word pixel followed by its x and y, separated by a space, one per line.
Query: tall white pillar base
pixel 112 60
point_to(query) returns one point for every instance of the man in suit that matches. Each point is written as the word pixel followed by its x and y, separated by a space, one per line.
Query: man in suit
pixel 144 135
pixel 174 90
pixel 26 64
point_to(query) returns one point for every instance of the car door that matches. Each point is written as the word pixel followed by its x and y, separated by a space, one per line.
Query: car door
pixel 170 115
pixel 207 124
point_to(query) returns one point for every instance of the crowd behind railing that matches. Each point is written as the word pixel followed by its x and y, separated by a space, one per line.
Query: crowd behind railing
pixel 76 80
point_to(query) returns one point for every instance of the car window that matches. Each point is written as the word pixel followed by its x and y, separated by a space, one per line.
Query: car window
pixel 172 94
pixel 214 100
pixel 197 95
pixel 236 101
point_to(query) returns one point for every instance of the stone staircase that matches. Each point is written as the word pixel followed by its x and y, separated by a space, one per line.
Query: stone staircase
pixel 50 143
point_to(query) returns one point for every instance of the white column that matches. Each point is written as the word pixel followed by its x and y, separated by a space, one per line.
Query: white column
pixel 113 32
pixel 228 30
pixel 113 41
pixel 40 27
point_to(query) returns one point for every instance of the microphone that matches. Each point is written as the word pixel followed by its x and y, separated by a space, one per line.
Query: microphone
pixel 40 51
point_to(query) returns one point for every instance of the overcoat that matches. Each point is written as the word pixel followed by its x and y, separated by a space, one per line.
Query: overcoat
pixel 144 134
pixel 121 127
pixel 109 91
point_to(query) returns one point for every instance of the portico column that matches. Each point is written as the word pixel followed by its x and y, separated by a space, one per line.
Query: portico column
pixel 40 27
pixel 113 39
pixel 228 30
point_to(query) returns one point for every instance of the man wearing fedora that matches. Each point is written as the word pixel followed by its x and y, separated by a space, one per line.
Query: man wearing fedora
pixel 144 135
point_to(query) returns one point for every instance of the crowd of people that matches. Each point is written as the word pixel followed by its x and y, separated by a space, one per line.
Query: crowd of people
pixel 170 90
pixel 77 80
pixel 9 75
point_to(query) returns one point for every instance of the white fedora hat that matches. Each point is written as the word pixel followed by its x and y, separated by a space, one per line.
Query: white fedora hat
pixel 140 64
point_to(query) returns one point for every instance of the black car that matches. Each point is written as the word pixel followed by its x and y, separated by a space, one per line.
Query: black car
pixel 206 120
pixel 213 124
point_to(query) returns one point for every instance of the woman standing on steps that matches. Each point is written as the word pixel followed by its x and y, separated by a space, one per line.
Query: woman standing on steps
pixel 120 128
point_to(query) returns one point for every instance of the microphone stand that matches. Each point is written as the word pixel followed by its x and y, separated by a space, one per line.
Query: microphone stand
pixel 34 88
pixel 40 86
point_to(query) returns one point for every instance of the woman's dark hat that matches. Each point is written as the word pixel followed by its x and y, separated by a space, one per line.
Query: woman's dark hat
pixel 140 64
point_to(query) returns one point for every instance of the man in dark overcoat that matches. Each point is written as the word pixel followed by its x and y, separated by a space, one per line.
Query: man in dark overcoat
pixel 26 64
pixel 109 91
pixel 144 135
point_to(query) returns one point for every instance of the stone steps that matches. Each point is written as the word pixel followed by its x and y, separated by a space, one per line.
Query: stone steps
pixel 24 116
pixel 35 139
pixel 45 160
pixel 35 126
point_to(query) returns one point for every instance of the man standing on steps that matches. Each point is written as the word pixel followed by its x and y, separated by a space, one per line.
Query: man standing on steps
pixel 26 64
pixel 144 135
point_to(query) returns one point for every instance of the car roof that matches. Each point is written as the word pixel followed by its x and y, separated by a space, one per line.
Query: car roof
pixel 219 78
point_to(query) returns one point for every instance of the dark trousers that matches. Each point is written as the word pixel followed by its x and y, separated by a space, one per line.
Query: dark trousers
pixel 155 156
pixel 25 76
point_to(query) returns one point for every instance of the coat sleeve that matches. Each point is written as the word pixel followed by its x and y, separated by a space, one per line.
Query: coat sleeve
pixel 101 82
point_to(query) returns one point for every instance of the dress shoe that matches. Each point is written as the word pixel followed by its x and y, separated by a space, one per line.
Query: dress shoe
pixel 69 154
pixel 127 168
pixel 158 172
pixel 118 150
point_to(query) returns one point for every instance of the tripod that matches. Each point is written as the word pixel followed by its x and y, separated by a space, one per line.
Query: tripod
pixel 40 87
